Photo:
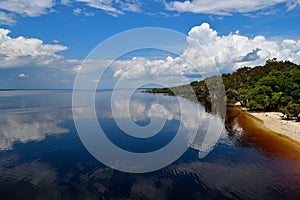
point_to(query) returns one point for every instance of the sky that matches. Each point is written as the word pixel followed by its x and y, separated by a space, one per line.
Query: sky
pixel 43 44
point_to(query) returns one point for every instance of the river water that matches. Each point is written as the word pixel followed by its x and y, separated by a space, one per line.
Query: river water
pixel 42 156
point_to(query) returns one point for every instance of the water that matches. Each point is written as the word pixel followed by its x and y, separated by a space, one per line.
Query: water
pixel 42 157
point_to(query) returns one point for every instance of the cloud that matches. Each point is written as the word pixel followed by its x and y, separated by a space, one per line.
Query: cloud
pixel 252 56
pixel 22 75
pixel 7 19
pixel 208 49
pixel 105 5
pixel 291 4
pixel 55 41
pixel 168 71
pixel 131 6
pixel 114 7
pixel 11 10
pixel 30 52
pixel 205 46
pixel 66 2
pixel 233 51
pixel 225 7
pixel 77 11
pixel 31 8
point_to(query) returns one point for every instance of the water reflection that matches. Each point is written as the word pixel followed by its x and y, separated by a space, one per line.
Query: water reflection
pixel 201 129
pixel 43 158
pixel 119 142
pixel 21 124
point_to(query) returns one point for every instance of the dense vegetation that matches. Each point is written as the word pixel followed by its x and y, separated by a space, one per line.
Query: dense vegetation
pixel 272 87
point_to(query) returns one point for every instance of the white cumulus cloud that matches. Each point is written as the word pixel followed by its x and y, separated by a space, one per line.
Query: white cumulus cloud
pixel 208 50
pixel 233 51
pixel 21 51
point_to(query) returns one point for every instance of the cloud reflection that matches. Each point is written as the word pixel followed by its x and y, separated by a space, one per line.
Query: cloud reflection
pixel 144 107
pixel 31 124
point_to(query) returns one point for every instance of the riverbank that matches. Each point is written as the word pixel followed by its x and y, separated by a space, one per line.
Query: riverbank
pixel 256 133
pixel 273 121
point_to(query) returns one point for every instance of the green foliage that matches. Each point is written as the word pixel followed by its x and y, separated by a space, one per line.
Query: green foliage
pixel 160 90
pixel 272 87
pixel 291 110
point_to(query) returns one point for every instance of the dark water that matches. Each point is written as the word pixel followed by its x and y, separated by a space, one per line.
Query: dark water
pixel 42 157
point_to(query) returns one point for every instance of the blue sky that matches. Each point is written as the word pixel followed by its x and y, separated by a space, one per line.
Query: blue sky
pixel 43 42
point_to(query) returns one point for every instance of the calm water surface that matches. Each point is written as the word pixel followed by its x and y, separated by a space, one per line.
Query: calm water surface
pixel 42 157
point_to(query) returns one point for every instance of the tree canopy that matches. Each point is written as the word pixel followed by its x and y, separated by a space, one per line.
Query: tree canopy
pixel 272 87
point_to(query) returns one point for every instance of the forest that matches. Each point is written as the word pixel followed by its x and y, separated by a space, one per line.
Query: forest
pixel 274 86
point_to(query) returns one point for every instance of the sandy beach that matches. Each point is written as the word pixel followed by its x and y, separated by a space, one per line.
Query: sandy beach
pixel 273 121
pixel 272 141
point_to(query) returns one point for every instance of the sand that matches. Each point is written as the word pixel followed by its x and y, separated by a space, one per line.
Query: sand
pixel 273 121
